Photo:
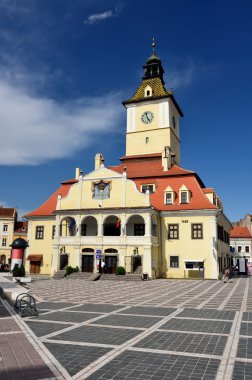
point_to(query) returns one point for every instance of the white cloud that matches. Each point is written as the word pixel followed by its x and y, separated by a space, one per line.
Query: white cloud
pixel 97 17
pixel 34 129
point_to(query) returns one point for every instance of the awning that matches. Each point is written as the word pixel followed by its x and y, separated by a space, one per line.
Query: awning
pixel 34 257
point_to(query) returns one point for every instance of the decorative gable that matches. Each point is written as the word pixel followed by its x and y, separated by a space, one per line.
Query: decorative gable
pixel 169 196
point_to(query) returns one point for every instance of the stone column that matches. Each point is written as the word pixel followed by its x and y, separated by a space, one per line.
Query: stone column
pixel 147 264
pixel 55 259
pixel 77 257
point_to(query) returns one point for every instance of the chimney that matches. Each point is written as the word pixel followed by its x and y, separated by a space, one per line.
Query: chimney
pixel 77 173
pixel 99 160
pixel 166 158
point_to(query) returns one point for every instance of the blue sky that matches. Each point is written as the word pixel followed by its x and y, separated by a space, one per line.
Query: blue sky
pixel 65 67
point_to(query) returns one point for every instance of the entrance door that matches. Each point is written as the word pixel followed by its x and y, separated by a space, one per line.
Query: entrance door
pixel 87 264
pixel 136 264
pixel 63 261
pixel 110 264
pixel 35 267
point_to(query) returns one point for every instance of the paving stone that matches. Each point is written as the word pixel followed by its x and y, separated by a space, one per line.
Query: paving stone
pixel 182 342
pixel 44 328
pixel 4 312
pixel 141 310
pixel 197 325
pixel 102 335
pixel 68 316
pixel 242 371
pixel 244 349
pixel 207 314
pixel 128 320
pixel 170 367
pixel 53 305
pixel 75 358
pixel 98 308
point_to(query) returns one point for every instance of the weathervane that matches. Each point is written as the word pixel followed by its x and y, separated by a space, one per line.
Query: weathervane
pixel 153 44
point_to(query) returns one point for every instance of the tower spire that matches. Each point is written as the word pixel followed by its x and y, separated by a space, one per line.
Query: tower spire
pixel 153 66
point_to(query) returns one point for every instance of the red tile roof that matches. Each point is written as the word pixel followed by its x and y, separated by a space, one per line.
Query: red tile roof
pixel 7 212
pixel 50 205
pixel 240 232
pixel 147 169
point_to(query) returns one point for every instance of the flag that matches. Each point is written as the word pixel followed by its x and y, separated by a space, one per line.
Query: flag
pixel 118 224
pixel 71 225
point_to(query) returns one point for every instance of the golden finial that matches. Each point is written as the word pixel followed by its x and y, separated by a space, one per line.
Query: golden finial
pixel 153 44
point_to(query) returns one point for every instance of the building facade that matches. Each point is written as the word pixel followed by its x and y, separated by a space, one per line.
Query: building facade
pixel 241 243
pixel 10 229
pixel 147 214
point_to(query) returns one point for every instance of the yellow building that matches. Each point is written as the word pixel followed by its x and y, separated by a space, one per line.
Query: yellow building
pixel 147 214
pixel 10 229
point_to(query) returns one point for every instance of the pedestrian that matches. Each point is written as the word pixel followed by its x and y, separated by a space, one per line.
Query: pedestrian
pixel 226 275
pixel 103 266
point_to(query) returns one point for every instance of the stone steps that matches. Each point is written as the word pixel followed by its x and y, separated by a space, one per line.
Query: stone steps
pixel 115 277
pixel 59 275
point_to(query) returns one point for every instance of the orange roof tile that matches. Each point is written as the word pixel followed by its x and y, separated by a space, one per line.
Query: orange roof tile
pixel 147 169
pixel 7 212
pixel 49 206
pixel 240 232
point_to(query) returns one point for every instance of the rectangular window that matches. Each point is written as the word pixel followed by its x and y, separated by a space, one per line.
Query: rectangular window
pixel 4 242
pixel 246 248
pixel 5 227
pixel 168 198
pixel 139 229
pixel 184 197
pixel 39 232
pixel 173 231
pixel 53 231
pixel 195 265
pixel 239 248
pixel 146 187
pixel 197 231
pixel 174 261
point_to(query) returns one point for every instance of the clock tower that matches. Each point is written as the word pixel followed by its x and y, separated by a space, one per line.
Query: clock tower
pixel 153 115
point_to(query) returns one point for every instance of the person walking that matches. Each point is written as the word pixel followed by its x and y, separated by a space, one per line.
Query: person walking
pixel 226 275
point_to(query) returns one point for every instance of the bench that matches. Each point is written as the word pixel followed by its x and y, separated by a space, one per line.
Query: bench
pixel 25 303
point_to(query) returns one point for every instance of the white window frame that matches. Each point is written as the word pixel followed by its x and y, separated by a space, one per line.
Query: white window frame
pixel 4 242
pixel 195 262
pixel 185 190
pixel 148 184
pixel 5 228
pixel 171 193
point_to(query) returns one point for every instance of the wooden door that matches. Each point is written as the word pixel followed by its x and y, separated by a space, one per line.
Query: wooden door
pixel 110 264
pixel 87 263
pixel 35 267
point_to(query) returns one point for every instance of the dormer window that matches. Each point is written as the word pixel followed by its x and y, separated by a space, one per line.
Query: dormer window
pixel 168 199
pixel 150 187
pixel 148 91
pixel 169 196
pixel 184 195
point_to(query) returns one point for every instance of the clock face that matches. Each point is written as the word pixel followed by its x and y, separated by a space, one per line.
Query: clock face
pixel 147 117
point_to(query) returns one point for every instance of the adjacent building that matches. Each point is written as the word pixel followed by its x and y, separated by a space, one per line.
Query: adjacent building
pixel 10 229
pixel 147 214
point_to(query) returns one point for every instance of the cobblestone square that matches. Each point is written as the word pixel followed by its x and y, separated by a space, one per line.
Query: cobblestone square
pixel 162 329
